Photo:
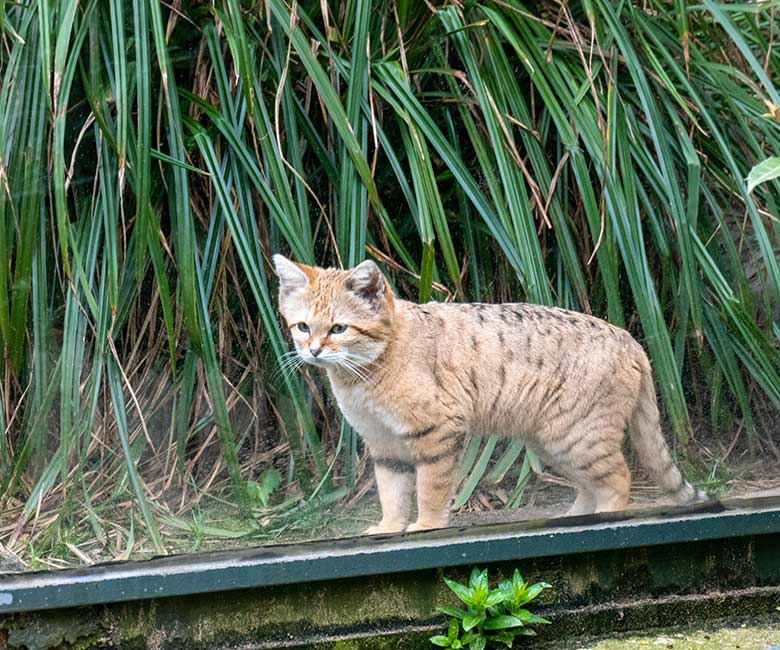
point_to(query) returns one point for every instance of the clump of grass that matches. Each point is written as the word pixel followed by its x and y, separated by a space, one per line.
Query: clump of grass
pixel 589 155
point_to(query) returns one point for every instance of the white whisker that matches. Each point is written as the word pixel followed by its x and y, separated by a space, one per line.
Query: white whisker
pixel 357 370
pixel 349 366
pixel 287 364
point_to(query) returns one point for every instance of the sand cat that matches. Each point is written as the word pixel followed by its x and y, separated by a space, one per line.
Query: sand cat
pixel 413 379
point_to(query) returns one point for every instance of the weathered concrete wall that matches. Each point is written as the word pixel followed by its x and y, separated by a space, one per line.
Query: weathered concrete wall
pixel 607 591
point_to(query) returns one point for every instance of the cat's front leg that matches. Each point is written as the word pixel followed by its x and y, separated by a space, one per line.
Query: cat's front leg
pixel 395 483
pixel 435 461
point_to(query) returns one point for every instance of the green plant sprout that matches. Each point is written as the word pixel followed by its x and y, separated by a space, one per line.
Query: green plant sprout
pixel 494 617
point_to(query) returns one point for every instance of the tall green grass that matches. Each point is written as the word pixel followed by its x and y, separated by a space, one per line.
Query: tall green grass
pixel 588 154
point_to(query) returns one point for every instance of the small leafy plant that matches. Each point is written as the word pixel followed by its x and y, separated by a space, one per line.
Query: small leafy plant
pixel 494 617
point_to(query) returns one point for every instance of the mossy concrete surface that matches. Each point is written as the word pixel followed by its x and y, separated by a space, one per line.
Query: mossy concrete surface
pixel 754 634
pixel 605 593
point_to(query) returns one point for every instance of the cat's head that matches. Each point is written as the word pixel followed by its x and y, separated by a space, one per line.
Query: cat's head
pixel 336 318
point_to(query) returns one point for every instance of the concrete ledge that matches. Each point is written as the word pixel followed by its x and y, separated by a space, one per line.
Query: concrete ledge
pixel 630 587
pixel 291 564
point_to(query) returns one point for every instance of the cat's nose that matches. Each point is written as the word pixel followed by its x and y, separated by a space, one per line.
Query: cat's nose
pixel 315 351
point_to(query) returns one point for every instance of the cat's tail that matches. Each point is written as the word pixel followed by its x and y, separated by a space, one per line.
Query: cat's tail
pixel 648 442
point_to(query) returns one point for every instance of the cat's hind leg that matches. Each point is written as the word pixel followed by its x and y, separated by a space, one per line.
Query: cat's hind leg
pixel 612 489
pixel 591 456
pixel 607 486
pixel 584 504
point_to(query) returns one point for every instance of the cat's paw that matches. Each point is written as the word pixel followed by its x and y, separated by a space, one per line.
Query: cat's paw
pixel 383 529
pixel 411 528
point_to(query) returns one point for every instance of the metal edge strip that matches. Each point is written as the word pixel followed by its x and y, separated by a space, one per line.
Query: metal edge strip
pixel 355 557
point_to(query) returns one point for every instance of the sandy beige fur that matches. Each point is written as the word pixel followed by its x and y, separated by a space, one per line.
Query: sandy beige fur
pixel 413 379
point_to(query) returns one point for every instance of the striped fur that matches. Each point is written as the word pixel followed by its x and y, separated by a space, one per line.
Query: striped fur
pixel 413 379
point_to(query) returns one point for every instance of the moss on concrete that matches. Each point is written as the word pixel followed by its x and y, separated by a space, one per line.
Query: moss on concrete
pixel 278 615
pixel 601 593
pixel 755 635
pixel 57 630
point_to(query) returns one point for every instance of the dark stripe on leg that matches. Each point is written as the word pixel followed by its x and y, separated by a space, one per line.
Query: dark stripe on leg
pixel 419 434
pixel 598 459
pixel 395 465
pixel 601 476
pixel 431 459
pixel 570 444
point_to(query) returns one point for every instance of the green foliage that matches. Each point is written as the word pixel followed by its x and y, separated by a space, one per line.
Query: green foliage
pixel 592 155
pixel 262 489
pixel 763 172
pixel 493 617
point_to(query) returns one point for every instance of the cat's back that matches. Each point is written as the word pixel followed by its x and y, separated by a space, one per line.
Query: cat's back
pixel 517 331
pixel 501 357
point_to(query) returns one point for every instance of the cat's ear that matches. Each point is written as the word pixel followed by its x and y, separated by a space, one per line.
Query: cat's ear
pixel 291 276
pixel 366 280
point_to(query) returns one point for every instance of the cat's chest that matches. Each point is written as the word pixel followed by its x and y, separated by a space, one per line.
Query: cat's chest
pixel 364 413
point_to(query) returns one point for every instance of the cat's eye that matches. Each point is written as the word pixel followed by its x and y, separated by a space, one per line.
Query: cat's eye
pixel 338 329
pixel 304 327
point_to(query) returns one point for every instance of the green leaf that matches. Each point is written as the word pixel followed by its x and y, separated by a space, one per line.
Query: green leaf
pixel 523 614
pixel 452 611
pixel 764 171
pixel 507 638
pixel 532 592
pixel 533 619
pixel 262 489
pixel 478 579
pixel 478 472
pixel 494 597
pixel 117 398
pixel 441 641
pixel 502 622
pixel 453 629
pixel 463 592
pixel 472 620
pixel 478 643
